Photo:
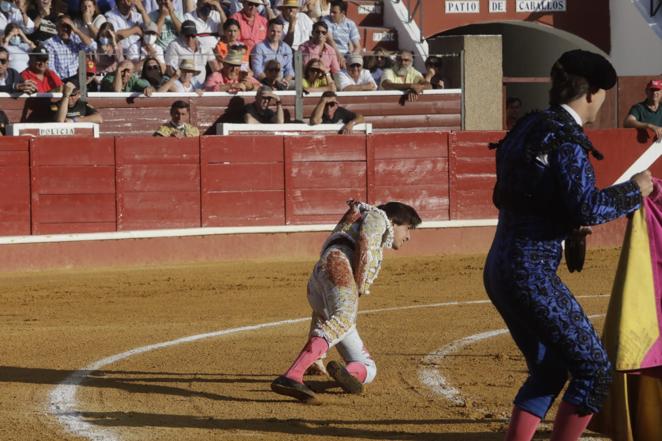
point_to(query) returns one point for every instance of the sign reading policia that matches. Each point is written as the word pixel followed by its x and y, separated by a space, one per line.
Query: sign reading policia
pixel 496 6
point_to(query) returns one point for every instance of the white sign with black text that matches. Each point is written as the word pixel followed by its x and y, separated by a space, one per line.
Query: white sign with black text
pixel 497 6
pixel 462 6
pixel 540 5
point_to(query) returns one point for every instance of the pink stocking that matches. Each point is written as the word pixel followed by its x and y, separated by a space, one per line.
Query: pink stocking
pixel 314 349
pixel 522 425
pixel 357 370
pixel 568 425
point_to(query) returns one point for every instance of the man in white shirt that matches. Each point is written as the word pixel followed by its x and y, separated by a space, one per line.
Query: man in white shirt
pixel 128 17
pixel 355 77
pixel 297 26
pixel 188 46
pixel 208 18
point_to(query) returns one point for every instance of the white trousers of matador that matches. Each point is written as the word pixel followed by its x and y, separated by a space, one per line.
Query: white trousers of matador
pixel 334 299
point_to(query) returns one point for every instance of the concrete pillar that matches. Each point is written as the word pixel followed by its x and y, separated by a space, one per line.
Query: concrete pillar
pixel 481 75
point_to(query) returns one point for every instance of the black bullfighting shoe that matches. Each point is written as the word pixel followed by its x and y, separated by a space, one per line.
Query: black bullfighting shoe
pixel 286 386
pixel 347 381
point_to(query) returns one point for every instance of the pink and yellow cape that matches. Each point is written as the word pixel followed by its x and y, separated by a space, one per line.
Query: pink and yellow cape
pixel 633 331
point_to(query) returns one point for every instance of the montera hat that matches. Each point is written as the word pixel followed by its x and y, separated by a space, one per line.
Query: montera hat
pixel 597 70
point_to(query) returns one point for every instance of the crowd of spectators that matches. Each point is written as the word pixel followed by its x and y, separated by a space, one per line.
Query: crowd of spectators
pixel 196 46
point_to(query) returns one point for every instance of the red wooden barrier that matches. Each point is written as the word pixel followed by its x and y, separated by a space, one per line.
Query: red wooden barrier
pixel 158 183
pixel 411 168
pixel 321 170
pixel 473 174
pixel 242 180
pixel 621 147
pixel 15 184
pixel 73 185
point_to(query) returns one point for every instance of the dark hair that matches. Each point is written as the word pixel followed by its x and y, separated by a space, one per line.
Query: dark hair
pixel 4 121
pixel 274 21
pixel 104 28
pixel 10 27
pixel 229 22
pixel 61 17
pixel 153 81
pixel 179 104
pixel 434 61
pixel 339 3
pixel 401 214
pixel 567 87
pixel 512 100
pixel 3 49
pixel 329 93
pixel 321 23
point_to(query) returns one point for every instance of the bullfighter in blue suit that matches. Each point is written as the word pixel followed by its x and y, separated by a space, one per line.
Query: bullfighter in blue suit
pixel 546 193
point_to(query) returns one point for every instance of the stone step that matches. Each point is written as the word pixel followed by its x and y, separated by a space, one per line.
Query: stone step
pixel 366 12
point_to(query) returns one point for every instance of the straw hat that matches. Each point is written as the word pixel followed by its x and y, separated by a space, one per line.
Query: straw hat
pixel 234 57
pixel 188 64
pixel 289 4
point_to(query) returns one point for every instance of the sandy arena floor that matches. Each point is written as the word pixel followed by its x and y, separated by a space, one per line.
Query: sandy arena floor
pixel 56 323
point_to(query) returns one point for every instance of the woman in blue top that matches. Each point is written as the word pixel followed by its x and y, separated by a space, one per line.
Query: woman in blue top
pixel 545 191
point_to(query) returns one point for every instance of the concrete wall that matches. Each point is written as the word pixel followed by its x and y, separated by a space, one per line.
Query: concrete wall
pixel 482 76
pixel 635 48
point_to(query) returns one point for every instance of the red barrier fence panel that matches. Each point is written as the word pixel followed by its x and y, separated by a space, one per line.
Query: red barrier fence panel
pixel 158 182
pixel 243 180
pixel 321 173
pixel 73 185
pixel 620 147
pixel 473 174
pixel 15 184
pixel 411 168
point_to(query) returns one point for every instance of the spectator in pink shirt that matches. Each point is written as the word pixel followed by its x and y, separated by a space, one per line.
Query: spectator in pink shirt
pixel 230 78
pixel 252 26
pixel 317 47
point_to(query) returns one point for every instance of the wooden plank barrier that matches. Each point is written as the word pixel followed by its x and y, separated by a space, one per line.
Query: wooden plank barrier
pixel 411 168
pixel 73 185
pixel 158 183
pixel 15 184
pixel 243 180
pixel 321 170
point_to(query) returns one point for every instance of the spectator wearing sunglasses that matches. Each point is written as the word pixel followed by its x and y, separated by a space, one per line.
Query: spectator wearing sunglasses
pixel 71 108
pixel 355 77
pixel 317 47
pixel 272 76
pixel 328 111
pixel 316 78
pixel 258 112
pixel 39 75
pixel 153 73
pixel 10 80
pixel 377 62
pixel 403 76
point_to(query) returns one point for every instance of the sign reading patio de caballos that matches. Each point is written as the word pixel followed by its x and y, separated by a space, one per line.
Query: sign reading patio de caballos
pixel 473 6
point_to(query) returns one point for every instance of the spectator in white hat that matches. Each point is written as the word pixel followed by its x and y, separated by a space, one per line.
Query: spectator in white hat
pixel 355 77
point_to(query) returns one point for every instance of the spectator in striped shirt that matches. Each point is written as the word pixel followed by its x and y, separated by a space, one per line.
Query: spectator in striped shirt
pixel 345 37
pixel 64 48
